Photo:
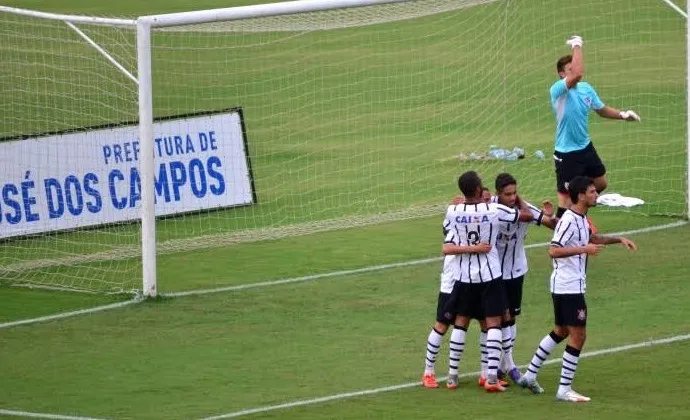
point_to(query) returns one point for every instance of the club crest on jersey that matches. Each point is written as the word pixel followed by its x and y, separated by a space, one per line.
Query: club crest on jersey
pixel 588 101
pixel 472 219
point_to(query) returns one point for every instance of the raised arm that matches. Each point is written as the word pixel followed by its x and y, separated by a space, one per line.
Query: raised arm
pixel 548 219
pixel 577 65
pixel 525 214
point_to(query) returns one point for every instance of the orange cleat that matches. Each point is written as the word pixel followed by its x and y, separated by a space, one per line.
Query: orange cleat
pixel 494 387
pixel 482 380
pixel 429 380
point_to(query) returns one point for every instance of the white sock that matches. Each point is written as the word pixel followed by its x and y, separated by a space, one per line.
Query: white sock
pixel 514 328
pixel 433 344
pixel 493 348
pixel 571 357
pixel 542 352
pixel 457 347
pixel 507 347
pixel 483 353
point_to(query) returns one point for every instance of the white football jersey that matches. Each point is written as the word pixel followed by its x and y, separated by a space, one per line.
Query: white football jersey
pixel 569 274
pixel 511 244
pixel 473 224
pixel 451 265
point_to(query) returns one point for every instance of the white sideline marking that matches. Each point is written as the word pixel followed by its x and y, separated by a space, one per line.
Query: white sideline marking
pixel 381 267
pixel 68 315
pixel 42 415
pixel 675 7
pixel 372 391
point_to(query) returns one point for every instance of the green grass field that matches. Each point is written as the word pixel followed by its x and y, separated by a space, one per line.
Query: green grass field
pixel 344 126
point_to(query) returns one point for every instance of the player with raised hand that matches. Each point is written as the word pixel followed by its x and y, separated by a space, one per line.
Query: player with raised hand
pixel 510 245
pixel 571 100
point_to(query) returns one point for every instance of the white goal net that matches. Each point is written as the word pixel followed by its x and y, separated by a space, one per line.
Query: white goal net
pixel 318 121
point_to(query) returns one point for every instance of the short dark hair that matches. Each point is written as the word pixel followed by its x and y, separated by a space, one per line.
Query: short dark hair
pixel 562 62
pixel 503 180
pixel 577 186
pixel 484 189
pixel 469 182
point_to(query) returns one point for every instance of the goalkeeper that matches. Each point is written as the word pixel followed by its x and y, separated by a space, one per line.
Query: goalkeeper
pixel 571 100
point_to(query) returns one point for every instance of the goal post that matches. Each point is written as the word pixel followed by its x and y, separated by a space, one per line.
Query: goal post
pixel 144 26
pixel 147 160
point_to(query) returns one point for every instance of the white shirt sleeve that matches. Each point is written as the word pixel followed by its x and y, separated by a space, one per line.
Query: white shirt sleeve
pixel 507 214
pixel 563 232
pixel 537 214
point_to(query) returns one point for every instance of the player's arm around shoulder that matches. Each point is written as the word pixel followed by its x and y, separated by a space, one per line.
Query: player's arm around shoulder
pixel 505 214
pixel 453 249
pixel 548 218
pixel 525 213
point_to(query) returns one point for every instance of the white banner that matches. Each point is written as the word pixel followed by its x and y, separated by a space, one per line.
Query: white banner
pixel 92 177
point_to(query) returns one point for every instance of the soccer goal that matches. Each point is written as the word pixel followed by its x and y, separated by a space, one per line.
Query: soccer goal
pixel 126 138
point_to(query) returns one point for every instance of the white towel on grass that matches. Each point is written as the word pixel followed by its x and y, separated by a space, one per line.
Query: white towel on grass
pixel 617 200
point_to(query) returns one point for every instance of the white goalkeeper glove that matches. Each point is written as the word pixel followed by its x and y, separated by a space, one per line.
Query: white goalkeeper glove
pixel 629 116
pixel 575 41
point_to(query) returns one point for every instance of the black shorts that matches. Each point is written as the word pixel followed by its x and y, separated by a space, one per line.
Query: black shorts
pixel 441 315
pixel 513 292
pixel 569 310
pixel 477 300
pixel 585 162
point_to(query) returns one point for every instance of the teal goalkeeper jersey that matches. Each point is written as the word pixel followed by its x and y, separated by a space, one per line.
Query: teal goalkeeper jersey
pixel 571 107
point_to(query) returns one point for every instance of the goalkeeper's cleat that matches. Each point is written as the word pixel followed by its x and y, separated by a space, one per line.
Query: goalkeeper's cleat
pixel 429 380
pixel 494 386
pixel 533 386
pixel 452 381
pixel 514 375
pixel 571 396
pixel 482 380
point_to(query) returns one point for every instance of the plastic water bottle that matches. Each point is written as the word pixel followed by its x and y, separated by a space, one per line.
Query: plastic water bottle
pixel 499 154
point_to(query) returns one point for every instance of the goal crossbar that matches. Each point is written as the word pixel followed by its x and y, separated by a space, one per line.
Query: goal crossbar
pixel 92 20
pixel 256 11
